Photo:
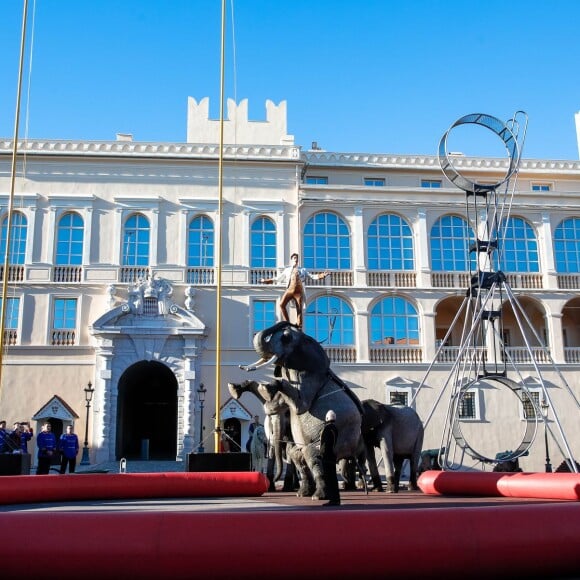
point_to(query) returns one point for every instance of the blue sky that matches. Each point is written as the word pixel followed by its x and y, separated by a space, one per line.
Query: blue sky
pixel 370 76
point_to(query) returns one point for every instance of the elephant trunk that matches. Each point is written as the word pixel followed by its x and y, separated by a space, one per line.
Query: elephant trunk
pixel 276 430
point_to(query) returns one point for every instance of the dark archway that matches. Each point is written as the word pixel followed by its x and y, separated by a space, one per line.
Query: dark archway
pixel 233 429
pixel 147 412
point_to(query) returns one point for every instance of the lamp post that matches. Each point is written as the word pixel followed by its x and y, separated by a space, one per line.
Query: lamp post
pixel 88 398
pixel 201 396
pixel 545 408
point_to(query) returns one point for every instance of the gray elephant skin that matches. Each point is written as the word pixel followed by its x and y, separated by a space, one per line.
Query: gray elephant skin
pixel 398 432
pixel 309 388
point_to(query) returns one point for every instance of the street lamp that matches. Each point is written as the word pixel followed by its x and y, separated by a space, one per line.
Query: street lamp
pixel 201 396
pixel 545 408
pixel 88 398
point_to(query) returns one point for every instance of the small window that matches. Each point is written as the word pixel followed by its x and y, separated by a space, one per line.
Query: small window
pixel 541 187
pixel 467 407
pixel 314 180
pixel 528 411
pixel 431 183
pixel 398 398
pixel 374 182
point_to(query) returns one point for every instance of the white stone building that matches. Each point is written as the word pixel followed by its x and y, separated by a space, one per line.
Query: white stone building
pixel 113 280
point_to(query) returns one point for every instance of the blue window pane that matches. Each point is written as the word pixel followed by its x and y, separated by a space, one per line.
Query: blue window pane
pixel 451 237
pixel 517 247
pixel 65 314
pixel 567 246
pixel 263 243
pixel 200 242
pixel 326 243
pixel 69 245
pixel 19 231
pixel 136 241
pixel 330 320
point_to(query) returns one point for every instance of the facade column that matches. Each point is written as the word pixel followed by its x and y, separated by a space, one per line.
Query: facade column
pixel 358 254
pixel 362 335
pixel 281 258
pixel 182 247
pixel 190 411
pixel 556 337
pixel 104 426
pixel 546 250
pixel 421 243
pixel 154 240
pixel 428 335
pixel 88 235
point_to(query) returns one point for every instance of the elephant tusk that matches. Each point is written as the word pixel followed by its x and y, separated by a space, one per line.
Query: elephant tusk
pixel 259 364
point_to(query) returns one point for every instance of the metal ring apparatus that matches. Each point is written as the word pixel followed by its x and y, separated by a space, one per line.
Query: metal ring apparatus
pixel 501 130
pixel 531 422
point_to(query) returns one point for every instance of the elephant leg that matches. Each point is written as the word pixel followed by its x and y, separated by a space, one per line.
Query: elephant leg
pixel 413 463
pixel 291 481
pixel 386 449
pixel 348 472
pixel 270 467
pixel 398 461
pixel 374 470
pixel 307 485
pixel 314 462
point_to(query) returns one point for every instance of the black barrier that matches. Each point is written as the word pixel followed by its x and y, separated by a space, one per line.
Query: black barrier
pixel 219 462
pixel 15 464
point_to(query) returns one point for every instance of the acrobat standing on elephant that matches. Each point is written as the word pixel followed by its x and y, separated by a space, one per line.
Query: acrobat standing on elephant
pixel 310 389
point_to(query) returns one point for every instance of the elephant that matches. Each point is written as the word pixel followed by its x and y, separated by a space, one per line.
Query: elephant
pixel 309 389
pixel 278 435
pixel 398 432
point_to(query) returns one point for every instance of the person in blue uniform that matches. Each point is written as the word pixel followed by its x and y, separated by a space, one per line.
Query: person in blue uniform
pixel 46 445
pixel 69 448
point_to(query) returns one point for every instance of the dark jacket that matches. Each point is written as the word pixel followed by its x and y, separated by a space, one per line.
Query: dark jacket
pixel 328 439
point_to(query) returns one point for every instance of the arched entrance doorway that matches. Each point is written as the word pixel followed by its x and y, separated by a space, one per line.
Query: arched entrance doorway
pixel 147 412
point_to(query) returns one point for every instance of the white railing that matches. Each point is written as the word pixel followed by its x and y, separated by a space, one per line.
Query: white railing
pixel 569 281
pixel 525 281
pixel 334 278
pixel 450 280
pixel 15 273
pixel 201 276
pixel 10 336
pixel 132 274
pixel 390 279
pixel 572 354
pixel 63 337
pixel 67 274
pixel 257 274
pixel 449 354
pixel 396 354
pixel 341 354
pixel 520 354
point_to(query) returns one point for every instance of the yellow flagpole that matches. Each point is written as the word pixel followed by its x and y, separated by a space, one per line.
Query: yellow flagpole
pixel 12 186
pixel 218 342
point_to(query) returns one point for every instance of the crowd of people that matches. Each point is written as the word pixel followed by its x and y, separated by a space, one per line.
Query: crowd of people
pixel 62 452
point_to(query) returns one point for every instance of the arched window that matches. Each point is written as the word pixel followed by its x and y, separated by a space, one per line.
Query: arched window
pixel 390 244
pixel 451 237
pixel 394 320
pixel 69 240
pixel 326 243
pixel 330 320
pixel 263 243
pixel 518 247
pixel 17 238
pixel 136 241
pixel 200 242
pixel 567 246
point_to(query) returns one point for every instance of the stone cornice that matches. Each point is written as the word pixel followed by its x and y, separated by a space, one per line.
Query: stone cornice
pixel 151 150
pixel 431 162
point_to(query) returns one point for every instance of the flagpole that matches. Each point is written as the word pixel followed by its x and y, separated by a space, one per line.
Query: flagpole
pixel 218 344
pixel 12 187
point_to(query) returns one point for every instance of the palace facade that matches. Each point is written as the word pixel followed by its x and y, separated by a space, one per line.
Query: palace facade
pixel 114 266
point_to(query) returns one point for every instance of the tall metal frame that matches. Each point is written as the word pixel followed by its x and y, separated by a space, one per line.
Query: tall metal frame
pixel 483 358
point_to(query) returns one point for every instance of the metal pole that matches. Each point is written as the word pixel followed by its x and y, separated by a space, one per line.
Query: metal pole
pixel 85 458
pixel 548 464
pixel 200 448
